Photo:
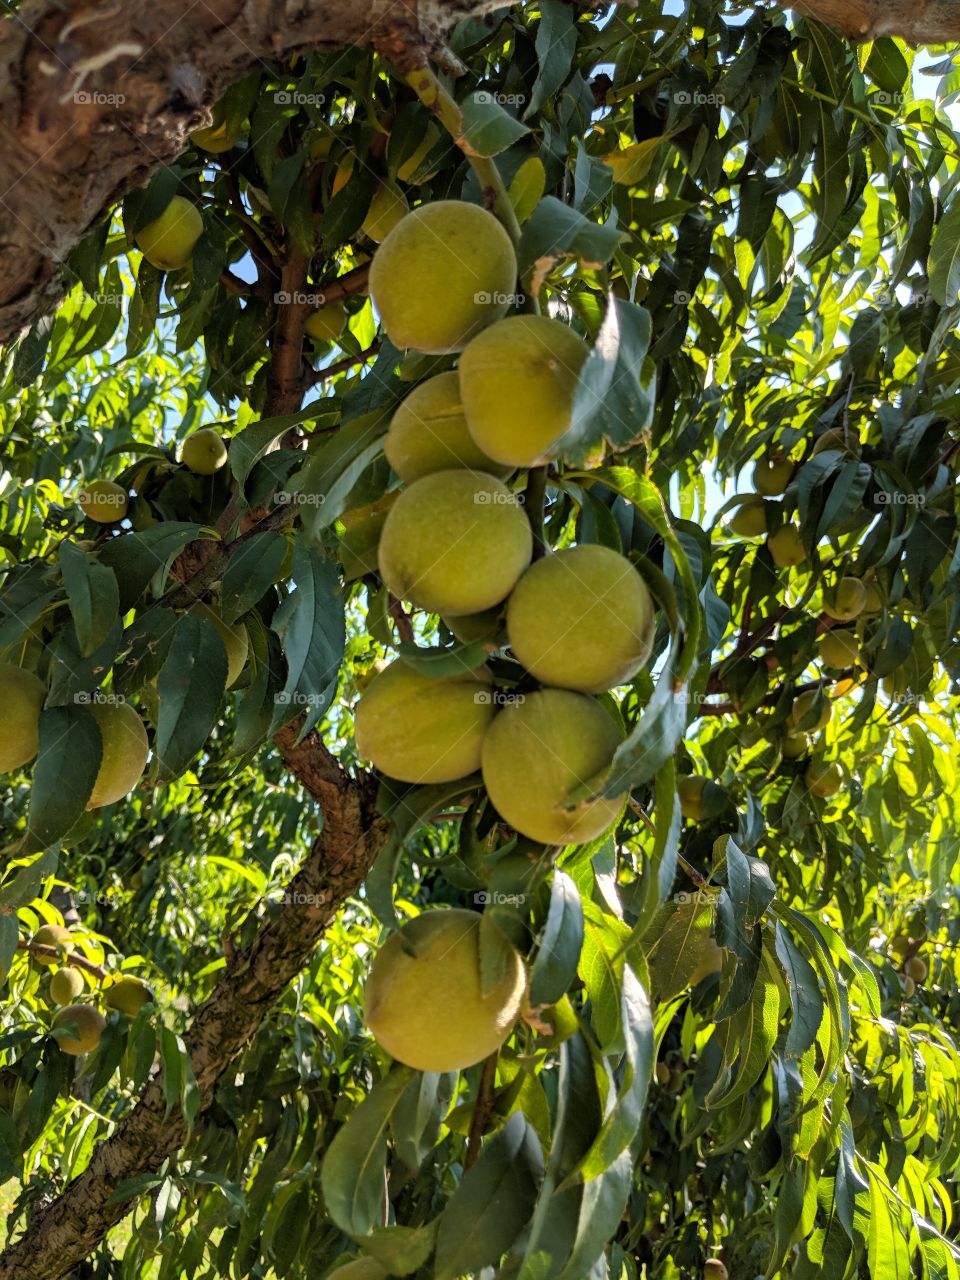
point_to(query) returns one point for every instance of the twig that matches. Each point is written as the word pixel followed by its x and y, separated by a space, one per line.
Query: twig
pixel 351 282
pixel 338 366
pixel 65 958
pixel 233 284
pixel 404 625
pixel 482 1110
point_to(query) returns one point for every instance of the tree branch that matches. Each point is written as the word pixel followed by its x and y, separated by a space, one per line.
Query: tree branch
pixel 94 100
pixel 65 1231
pixel 916 21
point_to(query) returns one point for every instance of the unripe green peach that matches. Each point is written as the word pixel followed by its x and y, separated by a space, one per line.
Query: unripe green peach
pixel 65 986
pixel 425 1001
pixel 794 745
pixel 360 540
pixel 771 475
pixel 455 542
pixel 711 961
pixel 916 968
pixel 846 601
pixel 326 323
pixel 125 751
pixel 823 779
pixel 168 242
pixel 835 439
pixel 517 383
pixel 539 750
pixel 21 697
pixel 428 432
pixel 103 501
pixel 442 274
pixel 129 995
pixel 874 600
pixel 581 619
pixel 840 648
pixel 89 1023
pixel 713 1269
pixel 663 1074
pixel 908 986
pixel 786 547
pixel 51 935
pixel 387 207
pixel 234 637
pixel 470 627
pixel 220 135
pixel 802 706
pixel 690 791
pixel 900 944
pixel 749 520
pixel 203 452
pixel 417 729
pixel 360 1269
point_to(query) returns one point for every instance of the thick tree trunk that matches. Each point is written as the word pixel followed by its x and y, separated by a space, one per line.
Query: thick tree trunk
pixel 95 98
pixel 70 1227
pixel 916 21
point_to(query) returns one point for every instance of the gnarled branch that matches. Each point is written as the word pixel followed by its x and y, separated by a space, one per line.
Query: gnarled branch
pixel 916 21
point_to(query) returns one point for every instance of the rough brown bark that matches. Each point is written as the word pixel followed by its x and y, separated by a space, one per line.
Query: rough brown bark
pixel 916 21
pixel 95 98
pixel 70 1227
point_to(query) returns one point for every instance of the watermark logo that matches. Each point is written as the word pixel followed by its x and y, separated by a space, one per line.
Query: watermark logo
pixel 294 98
pixel 699 897
pixel 98 897
pixel 103 499
pixel 486 98
pixel 885 499
pixel 681 298
pixel 93 98
pixel 496 698
pixel 483 299
pixel 284 299
pixel 284 498
pixel 298 699
pixel 100 698
pixel 686 98
pixel 488 498
pixel 492 898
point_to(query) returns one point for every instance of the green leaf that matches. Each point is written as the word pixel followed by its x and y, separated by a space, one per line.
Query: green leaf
pixel 602 1203
pixel 401 1250
pixel 419 1113
pixel 556 44
pixel 352 1176
pixel 31 352
pixel 558 952
pixel 250 571
pixel 250 445
pixel 613 401
pixel 311 624
pixel 554 231
pixel 63 777
pixel 943 265
pixel 623 1121
pixel 493 1202
pixel 805 996
pixel 135 558
pixel 191 686
pixel 487 128
pixel 93 595
pixel 322 487
pixel 458 660
pixel 9 937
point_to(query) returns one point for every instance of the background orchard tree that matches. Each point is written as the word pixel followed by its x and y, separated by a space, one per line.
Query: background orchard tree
pixel 709 1028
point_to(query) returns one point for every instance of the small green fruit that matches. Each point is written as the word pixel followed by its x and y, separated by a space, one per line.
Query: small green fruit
pixel 900 944
pixel 823 779
pixel 327 323
pixel 908 986
pixel 690 791
pixel 441 275
pixel 803 706
pixel 840 648
pixel 86 1024
pixel 203 452
pixel 517 383
pixel 125 751
pixel 874 600
pixel 220 135
pixel 418 729
pixel 455 542
pixel 387 207
pixel 581 619
pixel 65 986
pixel 168 242
pixel 713 1269
pixel 428 433
pixel 21 696
pixel 425 999
pixel 750 518
pixel 916 968
pixel 794 745
pixel 51 935
pixel 846 601
pixel 129 995
pixel 234 637
pixel 786 547
pixel 103 502
pixel 540 749
pixel 834 440
pixel 471 627
pixel 709 963
pixel 663 1074
pixel 771 475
